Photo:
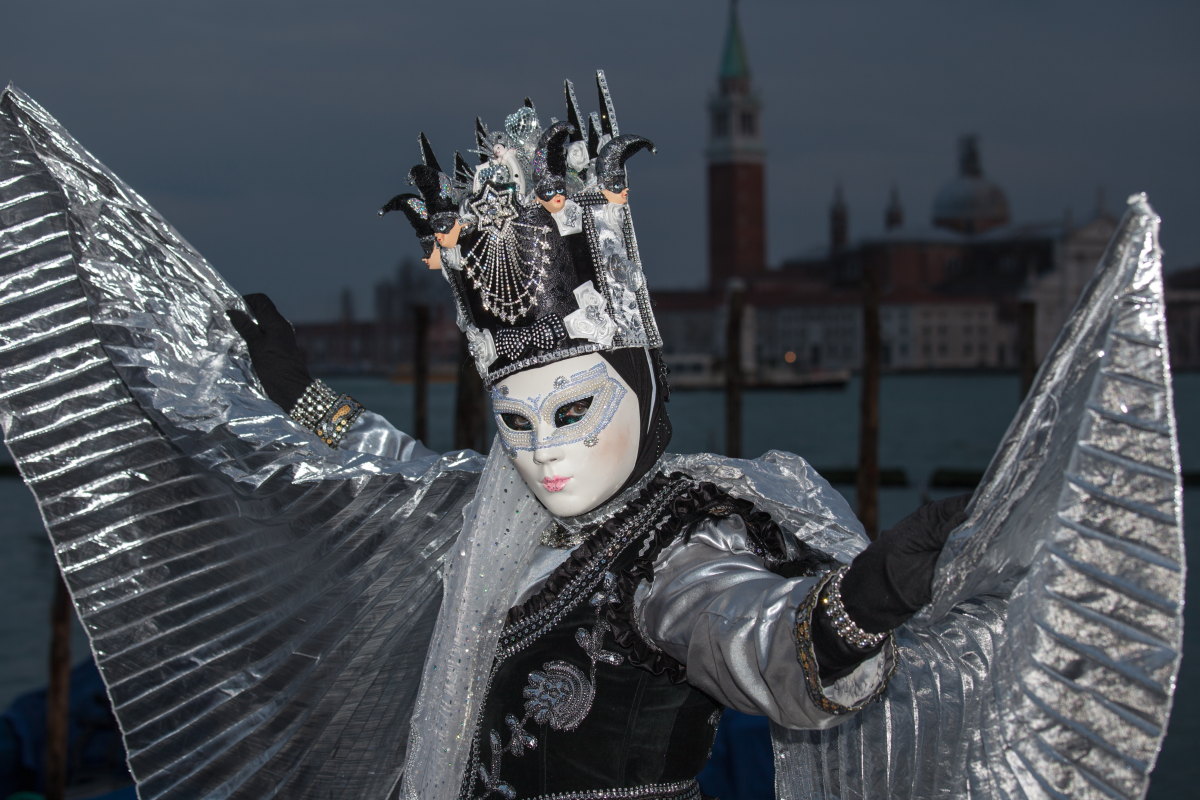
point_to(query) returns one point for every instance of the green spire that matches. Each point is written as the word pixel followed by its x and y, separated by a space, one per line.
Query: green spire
pixel 733 61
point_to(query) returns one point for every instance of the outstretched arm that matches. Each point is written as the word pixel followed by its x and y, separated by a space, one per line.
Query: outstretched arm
pixel 337 419
pixel 1045 662
pixel 781 647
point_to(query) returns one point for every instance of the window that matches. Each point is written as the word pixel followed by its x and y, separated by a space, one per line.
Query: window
pixel 748 126
pixel 721 124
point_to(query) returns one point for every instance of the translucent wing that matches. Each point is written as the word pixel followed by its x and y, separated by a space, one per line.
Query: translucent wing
pixel 242 583
pixel 1046 664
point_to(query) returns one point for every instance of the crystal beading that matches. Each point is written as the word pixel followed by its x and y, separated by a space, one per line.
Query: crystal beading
pixel 326 413
pixel 679 790
pixel 846 627
pixel 516 262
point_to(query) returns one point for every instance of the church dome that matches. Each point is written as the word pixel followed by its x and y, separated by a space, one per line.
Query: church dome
pixel 970 203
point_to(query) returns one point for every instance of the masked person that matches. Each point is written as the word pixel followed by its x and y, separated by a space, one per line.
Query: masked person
pixel 653 599
pixel 339 612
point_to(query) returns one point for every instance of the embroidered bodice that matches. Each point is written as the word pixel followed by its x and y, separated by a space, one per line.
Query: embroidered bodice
pixel 567 713
pixel 581 703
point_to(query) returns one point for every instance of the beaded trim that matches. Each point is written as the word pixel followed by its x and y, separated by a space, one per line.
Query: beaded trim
pixel 679 790
pixel 560 538
pixel 518 635
pixel 808 658
pixel 494 376
pixel 831 604
pixel 326 413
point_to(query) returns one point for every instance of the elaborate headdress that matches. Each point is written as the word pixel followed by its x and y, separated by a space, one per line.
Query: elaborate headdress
pixel 531 286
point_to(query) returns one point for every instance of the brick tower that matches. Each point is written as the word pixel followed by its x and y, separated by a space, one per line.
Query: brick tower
pixel 737 240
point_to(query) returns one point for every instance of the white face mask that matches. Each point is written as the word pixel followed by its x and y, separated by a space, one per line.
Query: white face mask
pixel 571 429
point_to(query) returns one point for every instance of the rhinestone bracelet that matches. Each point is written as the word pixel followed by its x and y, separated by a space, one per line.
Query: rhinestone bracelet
pixel 326 413
pixel 846 628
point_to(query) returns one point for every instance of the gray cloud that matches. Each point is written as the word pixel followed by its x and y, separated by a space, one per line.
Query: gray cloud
pixel 269 132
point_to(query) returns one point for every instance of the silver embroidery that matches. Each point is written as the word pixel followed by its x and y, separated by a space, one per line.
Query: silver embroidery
pixel 521 739
pixel 490 778
pixel 679 790
pixel 602 584
pixel 559 695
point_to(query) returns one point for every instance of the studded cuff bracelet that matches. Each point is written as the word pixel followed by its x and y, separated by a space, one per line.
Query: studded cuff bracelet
pixel 326 413
pixel 831 603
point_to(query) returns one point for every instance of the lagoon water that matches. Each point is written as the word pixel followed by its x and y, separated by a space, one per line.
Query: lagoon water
pixel 927 422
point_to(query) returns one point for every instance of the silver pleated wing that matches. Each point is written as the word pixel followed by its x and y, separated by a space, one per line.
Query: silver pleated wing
pixel 1045 666
pixel 259 604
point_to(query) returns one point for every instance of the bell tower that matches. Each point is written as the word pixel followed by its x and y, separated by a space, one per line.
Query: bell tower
pixel 736 223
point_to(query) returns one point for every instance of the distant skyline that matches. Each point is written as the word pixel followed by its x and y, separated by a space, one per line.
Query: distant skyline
pixel 269 133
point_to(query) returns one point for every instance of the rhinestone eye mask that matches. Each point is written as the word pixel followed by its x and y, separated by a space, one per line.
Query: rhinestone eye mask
pixel 596 383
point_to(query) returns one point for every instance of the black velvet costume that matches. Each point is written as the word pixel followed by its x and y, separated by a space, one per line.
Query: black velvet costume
pixel 580 703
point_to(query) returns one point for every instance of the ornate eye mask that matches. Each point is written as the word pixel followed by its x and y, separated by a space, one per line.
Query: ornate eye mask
pixel 548 189
pixel 575 411
pixel 442 223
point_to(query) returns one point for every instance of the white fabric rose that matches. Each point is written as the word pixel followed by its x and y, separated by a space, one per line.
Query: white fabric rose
pixel 591 321
pixel 577 156
pixel 482 348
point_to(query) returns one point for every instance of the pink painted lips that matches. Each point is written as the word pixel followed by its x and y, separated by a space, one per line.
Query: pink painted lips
pixel 554 484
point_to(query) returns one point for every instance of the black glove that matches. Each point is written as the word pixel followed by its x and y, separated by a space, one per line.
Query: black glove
pixel 273 350
pixel 887 583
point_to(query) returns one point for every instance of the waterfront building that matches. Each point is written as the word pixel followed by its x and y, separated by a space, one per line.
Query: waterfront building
pixel 385 344
pixel 1183 317
pixel 960 292
pixel 963 286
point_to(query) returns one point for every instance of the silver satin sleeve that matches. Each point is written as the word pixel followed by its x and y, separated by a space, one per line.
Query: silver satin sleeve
pixel 374 435
pixel 715 607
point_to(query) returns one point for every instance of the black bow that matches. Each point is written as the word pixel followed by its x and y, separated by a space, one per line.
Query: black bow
pixel 544 334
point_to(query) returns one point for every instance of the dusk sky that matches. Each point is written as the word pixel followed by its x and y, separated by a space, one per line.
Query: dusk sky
pixel 269 133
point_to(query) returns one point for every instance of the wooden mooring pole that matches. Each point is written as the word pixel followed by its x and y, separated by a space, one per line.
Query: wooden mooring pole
pixel 733 370
pixel 1027 344
pixel 58 692
pixel 470 407
pixel 421 372
pixel 868 433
